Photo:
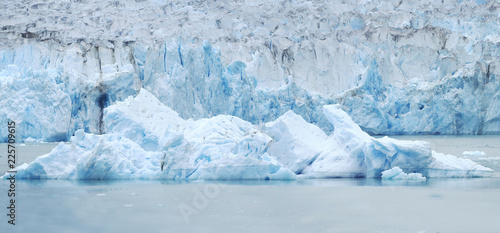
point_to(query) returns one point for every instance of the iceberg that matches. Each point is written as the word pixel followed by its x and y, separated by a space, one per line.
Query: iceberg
pixel 451 166
pixel 397 173
pixel 144 139
pixel 148 140
pixel 91 156
pixel 474 153
pixel 351 152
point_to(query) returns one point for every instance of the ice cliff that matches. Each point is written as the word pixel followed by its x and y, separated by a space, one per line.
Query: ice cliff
pixel 147 140
pixel 397 67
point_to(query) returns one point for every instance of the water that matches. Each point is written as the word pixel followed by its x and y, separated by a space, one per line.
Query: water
pixel 334 205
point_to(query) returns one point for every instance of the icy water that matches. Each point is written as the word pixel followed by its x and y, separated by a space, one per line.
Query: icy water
pixel 335 205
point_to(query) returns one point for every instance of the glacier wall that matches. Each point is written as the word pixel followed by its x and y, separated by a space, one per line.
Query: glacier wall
pixel 50 93
pixel 396 67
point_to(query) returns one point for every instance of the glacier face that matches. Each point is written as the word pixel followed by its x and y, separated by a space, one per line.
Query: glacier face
pixel 397 67
pixel 50 93
pixel 148 140
pixel 37 104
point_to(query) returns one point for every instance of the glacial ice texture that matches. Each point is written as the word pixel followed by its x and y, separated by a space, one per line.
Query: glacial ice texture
pixel 148 140
pixel 396 173
pixel 397 67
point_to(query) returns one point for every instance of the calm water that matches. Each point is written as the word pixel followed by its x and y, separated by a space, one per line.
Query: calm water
pixel 335 205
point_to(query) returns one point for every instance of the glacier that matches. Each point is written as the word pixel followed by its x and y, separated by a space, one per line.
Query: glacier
pixel 146 139
pixel 396 67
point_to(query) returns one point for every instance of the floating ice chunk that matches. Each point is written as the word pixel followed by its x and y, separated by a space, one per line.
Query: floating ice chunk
pixel 366 156
pixel 20 167
pixel 412 156
pixel 222 147
pixel 397 173
pixel 147 140
pixel 474 153
pixel 108 156
pixel 490 158
pixel 350 152
pixel 116 158
pixel 452 166
pixel 92 156
pixel 29 139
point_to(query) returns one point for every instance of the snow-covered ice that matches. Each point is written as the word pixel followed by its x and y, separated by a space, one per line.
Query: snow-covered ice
pixel 145 139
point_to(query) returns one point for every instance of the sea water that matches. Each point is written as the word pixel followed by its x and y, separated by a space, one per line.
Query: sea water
pixel 322 205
